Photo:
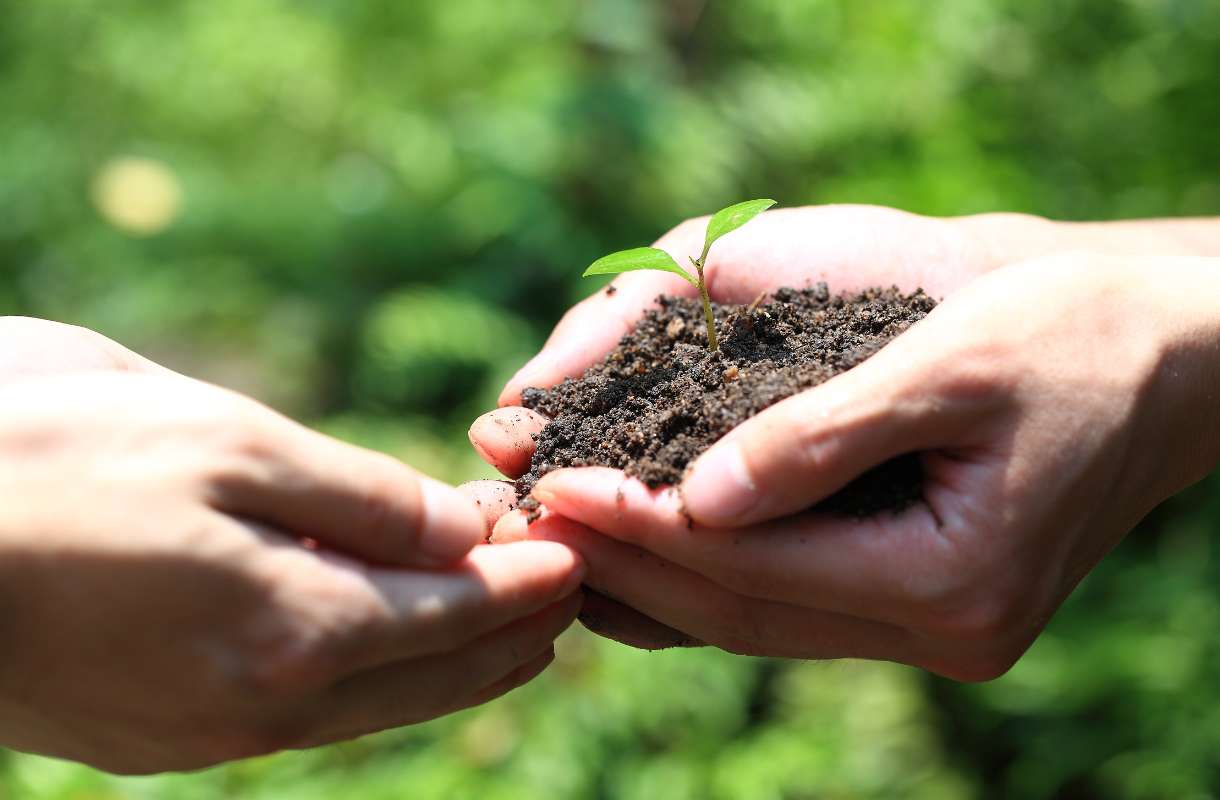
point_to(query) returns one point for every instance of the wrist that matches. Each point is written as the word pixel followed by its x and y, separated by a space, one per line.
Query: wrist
pixel 1007 238
pixel 1180 419
pixel 1003 238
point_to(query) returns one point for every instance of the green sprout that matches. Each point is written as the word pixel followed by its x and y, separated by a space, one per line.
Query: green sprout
pixel 724 221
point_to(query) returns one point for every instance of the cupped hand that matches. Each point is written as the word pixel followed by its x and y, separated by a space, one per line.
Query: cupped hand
pixel 1053 403
pixel 187 577
pixel 849 247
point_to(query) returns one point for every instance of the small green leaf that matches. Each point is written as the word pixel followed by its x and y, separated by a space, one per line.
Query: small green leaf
pixel 730 219
pixel 638 258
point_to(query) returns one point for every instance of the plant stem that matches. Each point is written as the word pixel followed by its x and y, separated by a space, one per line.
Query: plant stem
pixel 712 344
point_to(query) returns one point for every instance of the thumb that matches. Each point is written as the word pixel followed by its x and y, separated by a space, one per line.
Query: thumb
pixel 807 447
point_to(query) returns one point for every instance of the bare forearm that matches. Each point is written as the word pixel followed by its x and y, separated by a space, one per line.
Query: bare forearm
pixel 1009 238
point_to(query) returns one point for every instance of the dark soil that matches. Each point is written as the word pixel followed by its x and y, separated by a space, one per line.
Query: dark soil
pixel 660 399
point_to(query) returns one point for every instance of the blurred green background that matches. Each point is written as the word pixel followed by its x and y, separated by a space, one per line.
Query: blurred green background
pixel 369 213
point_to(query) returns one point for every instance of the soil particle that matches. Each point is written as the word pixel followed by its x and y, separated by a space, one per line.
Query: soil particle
pixel 660 399
pixel 531 507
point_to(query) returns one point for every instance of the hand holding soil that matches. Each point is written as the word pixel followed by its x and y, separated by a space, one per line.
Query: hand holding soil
pixel 1051 405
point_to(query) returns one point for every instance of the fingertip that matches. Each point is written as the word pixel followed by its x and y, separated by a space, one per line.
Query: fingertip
pixel 545 562
pixel 512 527
pixel 504 438
pixel 570 485
pixel 493 498
pixel 574 564
pixel 608 500
pixel 451 525
pixel 533 669
pixel 572 603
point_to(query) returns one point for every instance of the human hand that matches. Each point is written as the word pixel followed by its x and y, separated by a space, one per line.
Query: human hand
pixel 849 247
pixel 187 577
pixel 1053 404
pixel 32 347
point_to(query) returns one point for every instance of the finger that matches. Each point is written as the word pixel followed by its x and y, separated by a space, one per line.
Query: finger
pixel 514 680
pixel 880 568
pixel 512 527
pixel 409 692
pixel 419 614
pixel 623 624
pixel 602 615
pixel 354 500
pixel 504 438
pixel 493 498
pixel 686 601
pixel 805 448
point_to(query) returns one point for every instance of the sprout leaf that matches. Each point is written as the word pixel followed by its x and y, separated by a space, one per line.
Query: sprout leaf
pixel 639 258
pixel 730 219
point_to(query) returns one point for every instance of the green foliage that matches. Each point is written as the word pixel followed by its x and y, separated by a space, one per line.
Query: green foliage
pixel 638 258
pixel 378 210
pixel 727 220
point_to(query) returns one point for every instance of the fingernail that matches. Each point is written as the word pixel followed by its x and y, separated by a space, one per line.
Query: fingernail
pixel 511 528
pixel 542 494
pixel 719 488
pixel 452 524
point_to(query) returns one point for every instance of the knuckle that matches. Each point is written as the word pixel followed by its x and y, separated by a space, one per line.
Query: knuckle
pixel 980 376
pixel 310 637
pixel 237 452
pixel 239 435
pixel 813 446
pixel 283 663
pixel 385 512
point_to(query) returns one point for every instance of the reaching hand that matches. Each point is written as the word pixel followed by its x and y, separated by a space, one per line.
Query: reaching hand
pixel 187 577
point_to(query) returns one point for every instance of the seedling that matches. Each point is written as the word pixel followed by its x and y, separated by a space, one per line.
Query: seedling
pixel 724 221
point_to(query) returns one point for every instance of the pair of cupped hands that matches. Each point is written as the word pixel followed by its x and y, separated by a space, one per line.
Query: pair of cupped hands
pixel 187 577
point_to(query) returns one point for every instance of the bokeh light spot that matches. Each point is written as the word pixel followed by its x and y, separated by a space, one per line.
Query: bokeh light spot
pixel 139 196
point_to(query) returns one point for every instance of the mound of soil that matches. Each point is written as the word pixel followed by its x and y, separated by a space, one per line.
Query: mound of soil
pixel 660 399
